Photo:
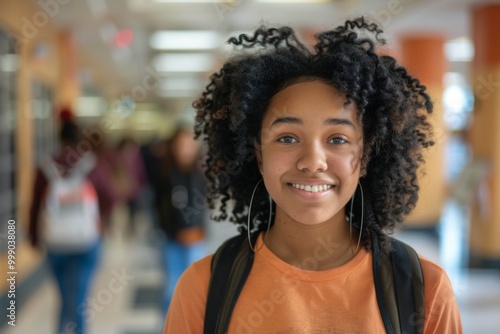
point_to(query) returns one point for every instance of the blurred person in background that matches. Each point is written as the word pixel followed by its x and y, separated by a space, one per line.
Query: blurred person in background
pixel 178 185
pixel 130 168
pixel 153 153
pixel 110 190
pixel 65 220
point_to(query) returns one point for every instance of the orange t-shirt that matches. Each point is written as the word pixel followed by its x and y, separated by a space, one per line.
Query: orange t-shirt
pixel 280 298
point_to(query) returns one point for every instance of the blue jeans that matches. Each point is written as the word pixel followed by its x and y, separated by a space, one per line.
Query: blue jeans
pixel 176 258
pixel 73 273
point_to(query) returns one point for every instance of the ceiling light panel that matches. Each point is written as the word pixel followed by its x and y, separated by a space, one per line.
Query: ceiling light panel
pixel 195 1
pixel 459 49
pixel 186 83
pixel 185 40
pixel 294 1
pixel 184 62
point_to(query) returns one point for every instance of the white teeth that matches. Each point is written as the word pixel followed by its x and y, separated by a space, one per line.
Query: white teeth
pixel 313 189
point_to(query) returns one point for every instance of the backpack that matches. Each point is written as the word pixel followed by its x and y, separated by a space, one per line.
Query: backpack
pixel 71 208
pixel 397 273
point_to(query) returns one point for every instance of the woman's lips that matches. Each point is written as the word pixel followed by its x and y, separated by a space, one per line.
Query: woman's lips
pixel 312 188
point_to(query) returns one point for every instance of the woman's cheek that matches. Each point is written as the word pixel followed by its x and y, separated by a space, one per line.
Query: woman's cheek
pixel 355 162
pixel 282 163
pixel 349 162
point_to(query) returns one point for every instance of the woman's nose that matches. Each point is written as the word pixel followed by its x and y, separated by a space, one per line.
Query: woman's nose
pixel 312 158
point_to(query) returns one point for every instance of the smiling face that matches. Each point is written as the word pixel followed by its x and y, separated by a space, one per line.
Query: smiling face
pixel 310 153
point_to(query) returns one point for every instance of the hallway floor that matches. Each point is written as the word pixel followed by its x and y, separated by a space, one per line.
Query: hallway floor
pixel 132 307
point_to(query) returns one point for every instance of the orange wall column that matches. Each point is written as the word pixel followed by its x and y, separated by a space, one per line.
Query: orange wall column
pixel 68 88
pixel 423 56
pixel 485 131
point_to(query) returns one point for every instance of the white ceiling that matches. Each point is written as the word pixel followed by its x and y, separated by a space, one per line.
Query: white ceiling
pixel 118 71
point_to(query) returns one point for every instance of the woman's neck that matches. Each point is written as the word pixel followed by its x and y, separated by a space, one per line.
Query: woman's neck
pixel 312 247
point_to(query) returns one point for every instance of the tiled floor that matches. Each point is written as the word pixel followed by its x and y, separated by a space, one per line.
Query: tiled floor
pixel 127 312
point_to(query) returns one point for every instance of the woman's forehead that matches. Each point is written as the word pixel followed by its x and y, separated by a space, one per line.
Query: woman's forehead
pixel 311 100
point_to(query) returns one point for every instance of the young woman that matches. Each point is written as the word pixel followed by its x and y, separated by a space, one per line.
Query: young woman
pixel 318 150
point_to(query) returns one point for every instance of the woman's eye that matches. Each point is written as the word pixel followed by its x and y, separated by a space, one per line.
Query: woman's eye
pixel 337 140
pixel 287 140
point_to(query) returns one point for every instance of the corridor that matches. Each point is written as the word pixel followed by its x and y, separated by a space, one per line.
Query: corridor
pixel 126 294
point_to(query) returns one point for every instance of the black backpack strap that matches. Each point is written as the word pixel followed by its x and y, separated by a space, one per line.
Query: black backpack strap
pixel 399 287
pixel 384 287
pixel 231 265
pixel 409 279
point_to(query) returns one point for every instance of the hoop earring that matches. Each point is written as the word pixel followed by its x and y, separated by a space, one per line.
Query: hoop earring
pixel 268 220
pixel 362 216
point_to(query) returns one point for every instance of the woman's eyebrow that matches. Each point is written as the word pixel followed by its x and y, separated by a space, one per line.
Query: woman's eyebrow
pixel 339 121
pixel 295 120
pixel 287 120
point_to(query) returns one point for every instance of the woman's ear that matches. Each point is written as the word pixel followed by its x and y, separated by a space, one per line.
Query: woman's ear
pixel 258 154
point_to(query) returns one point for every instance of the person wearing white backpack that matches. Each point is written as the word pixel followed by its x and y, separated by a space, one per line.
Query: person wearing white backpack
pixel 65 221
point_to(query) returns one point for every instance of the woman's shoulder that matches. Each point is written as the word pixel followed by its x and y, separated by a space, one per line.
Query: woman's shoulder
pixel 432 271
pixel 436 280
pixel 441 309
pixel 193 285
pixel 197 273
pixel 187 309
pixel 202 264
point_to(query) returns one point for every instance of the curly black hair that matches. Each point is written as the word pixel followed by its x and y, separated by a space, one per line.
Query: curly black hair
pixel 393 108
